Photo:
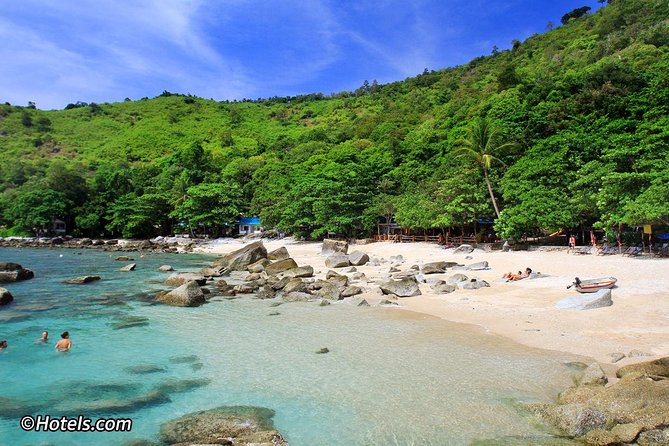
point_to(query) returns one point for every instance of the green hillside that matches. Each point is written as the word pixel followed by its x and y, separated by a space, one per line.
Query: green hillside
pixel 573 123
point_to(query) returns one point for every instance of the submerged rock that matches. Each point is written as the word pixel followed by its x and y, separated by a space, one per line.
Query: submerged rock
pixel 184 359
pixel 130 267
pixel 166 268
pixel 232 425
pixel 145 369
pixel 83 279
pixel 5 296
pixel 181 385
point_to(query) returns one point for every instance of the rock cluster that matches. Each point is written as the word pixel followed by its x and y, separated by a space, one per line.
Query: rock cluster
pixel 13 272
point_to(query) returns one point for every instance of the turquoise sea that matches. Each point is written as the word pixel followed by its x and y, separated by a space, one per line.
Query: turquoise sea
pixel 391 377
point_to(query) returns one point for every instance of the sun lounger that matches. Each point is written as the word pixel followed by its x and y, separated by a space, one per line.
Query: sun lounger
pixel 632 251
pixel 582 250
pixel 606 250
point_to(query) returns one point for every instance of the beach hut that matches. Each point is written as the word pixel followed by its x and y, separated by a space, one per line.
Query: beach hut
pixel 249 225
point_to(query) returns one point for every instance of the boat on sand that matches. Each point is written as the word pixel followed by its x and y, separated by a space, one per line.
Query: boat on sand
pixel 593 285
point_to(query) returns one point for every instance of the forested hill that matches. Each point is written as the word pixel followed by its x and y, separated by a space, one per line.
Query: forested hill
pixel 571 128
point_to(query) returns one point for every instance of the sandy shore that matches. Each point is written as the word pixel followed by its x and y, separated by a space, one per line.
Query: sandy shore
pixel 524 311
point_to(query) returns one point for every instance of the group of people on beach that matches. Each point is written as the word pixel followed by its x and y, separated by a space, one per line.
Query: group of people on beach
pixel 510 276
pixel 63 345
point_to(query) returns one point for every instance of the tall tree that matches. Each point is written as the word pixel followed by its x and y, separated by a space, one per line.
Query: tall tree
pixel 481 145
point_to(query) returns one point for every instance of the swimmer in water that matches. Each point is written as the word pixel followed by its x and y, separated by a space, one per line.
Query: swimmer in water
pixel 3 345
pixel 44 338
pixel 64 344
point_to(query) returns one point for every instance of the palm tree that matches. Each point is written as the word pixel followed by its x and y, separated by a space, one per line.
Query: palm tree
pixel 480 145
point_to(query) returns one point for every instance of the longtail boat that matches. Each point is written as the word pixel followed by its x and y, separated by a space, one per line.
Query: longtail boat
pixel 593 285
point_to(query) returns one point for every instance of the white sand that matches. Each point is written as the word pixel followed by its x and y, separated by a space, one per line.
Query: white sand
pixel 524 311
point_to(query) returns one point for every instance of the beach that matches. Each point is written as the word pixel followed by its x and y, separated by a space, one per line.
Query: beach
pixel 636 325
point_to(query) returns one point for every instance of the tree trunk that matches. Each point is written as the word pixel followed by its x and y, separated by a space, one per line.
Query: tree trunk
pixel 492 196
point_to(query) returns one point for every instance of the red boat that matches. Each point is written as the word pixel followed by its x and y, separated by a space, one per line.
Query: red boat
pixel 593 285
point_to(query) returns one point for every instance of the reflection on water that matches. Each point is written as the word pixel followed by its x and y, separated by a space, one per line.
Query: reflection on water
pixel 390 377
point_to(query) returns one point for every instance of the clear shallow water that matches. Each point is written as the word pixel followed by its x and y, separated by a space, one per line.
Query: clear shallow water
pixel 390 378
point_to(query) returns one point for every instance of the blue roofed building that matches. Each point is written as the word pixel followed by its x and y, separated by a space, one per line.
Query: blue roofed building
pixel 249 225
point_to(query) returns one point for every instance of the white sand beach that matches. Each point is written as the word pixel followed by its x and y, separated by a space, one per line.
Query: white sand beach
pixel 524 311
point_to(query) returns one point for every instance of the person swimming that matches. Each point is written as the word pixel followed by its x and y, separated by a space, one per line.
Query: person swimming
pixel 3 345
pixel 44 338
pixel 64 344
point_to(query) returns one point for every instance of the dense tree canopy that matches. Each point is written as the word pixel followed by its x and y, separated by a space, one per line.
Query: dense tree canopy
pixel 584 109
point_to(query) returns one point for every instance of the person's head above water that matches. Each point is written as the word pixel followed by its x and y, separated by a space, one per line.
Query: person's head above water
pixel 45 335
pixel 3 344
pixel 65 335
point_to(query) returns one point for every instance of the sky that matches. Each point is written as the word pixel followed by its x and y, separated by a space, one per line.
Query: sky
pixel 56 52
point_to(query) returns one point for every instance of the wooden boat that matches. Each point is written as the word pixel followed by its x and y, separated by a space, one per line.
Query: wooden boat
pixel 593 285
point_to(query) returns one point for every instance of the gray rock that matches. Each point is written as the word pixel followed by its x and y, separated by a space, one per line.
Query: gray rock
pixel 601 298
pixel 350 269
pixel 334 246
pixel 166 268
pixel 13 272
pixel 351 291
pixel 401 288
pixel 295 284
pixel 233 425
pixel 280 266
pixel 280 283
pixel 337 261
pixel 463 249
pixel 358 302
pixel 177 279
pixel 300 271
pixel 434 268
pixel 265 292
pixel 279 254
pixel 408 274
pixel 594 375
pixel 457 278
pixel 443 287
pixel 573 419
pixel 238 260
pixel 5 296
pixel 323 350
pixel 473 284
pixel 210 272
pixel 616 356
pixel 297 296
pixel 477 266
pixel 258 266
pixel 324 303
pixel 124 259
pixel 339 281
pixel 187 295
pixel 386 302
pixel 130 267
pixel 245 288
pixel 328 291
pixel 358 258
pixel 654 437
pixel 359 276
pixel 83 279
pixel 658 367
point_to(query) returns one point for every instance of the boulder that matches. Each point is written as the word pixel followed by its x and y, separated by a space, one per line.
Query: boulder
pixel 111 242
pixel 337 261
pixel 654 437
pixel 401 288
pixel 129 267
pixel 358 302
pixel 351 291
pixel 300 271
pixel 5 296
pixel 13 272
pixel 238 260
pixel 231 425
pixel 457 278
pixel 280 266
pixel 328 290
pixel 258 266
pixel 434 267
pixel 297 296
pixel 85 242
pixel 594 375
pixel 98 242
pixel 338 280
pixel 210 272
pixel 359 276
pixel 443 287
pixel 358 258
pixel 334 246
pixel 265 292
pixel 408 274
pixel 463 249
pixel 601 298
pixel 477 266
pixel 245 289
pixel 187 295
pixel 473 284
pixel 279 254
pixel 386 302
pixel 83 279
pixel 279 283
pixel 124 259
pixel 659 367
pixel 165 268
pixel 295 284
pixel 177 279
pixel 574 420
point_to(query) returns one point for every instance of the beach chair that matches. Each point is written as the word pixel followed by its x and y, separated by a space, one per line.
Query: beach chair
pixel 664 250
pixel 632 251
pixel 583 250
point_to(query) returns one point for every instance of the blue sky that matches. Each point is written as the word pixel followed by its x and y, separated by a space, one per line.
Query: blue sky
pixel 55 52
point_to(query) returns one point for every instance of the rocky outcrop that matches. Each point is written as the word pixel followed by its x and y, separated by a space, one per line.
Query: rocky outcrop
pixel 177 279
pixel 434 267
pixel 231 425
pixel 280 266
pixel 129 267
pixel 13 272
pixel 601 298
pixel 83 279
pixel 659 367
pixel 258 266
pixel 187 295
pixel 630 411
pixel 337 261
pixel 443 287
pixel 401 288
pixel 5 296
pixel 238 260
pixel 358 258
pixel 278 254
pixel 334 246
pixel 295 284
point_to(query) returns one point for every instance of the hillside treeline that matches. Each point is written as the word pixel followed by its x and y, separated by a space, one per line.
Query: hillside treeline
pixel 567 129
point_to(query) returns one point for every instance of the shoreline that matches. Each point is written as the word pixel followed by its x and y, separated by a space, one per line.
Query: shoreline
pixel 636 325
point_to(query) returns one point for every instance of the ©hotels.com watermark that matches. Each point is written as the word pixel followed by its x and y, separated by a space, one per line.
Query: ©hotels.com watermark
pixel 47 423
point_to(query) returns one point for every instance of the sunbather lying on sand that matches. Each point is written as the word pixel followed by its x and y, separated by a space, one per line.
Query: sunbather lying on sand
pixel 521 275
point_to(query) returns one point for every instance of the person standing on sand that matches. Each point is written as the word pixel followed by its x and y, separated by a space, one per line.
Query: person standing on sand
pixel 64 344
pixel 572 244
